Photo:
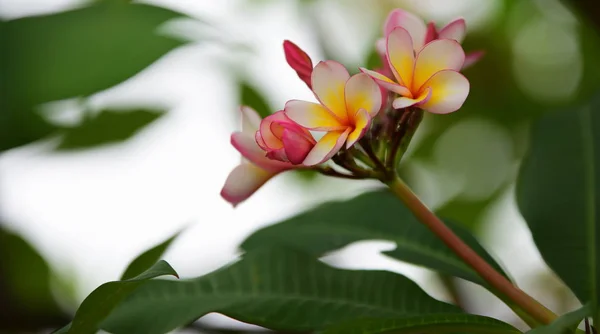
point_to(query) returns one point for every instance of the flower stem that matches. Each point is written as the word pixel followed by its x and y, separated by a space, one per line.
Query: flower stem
pixel 468 255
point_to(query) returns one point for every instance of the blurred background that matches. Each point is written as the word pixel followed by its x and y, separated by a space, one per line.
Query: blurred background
pixel 115 119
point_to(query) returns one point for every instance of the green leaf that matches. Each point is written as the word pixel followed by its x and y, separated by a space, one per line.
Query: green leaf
pixel 250 96
pixel 275 288
pixel 146 259
pixel 101 302
pixel 110 126
pixel 557 193
pixel 79 52
pixel 565 323
pixel 426 324
pixel 372 216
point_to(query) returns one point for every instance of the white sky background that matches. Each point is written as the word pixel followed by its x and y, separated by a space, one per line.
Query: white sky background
pixel 90 213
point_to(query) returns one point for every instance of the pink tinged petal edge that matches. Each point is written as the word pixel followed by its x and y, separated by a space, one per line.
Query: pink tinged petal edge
pixel 449 90
pixel 296 146
pixel 362 93
pixel 431 32
pixel 328 80
pixel 362 122
pixel 266 130
pixel 405 102
pixel 386 82
pixel 312 116
pixel 247 146
pixel 401 56
pixel 472 58
pixel 250 120
pixel 326 147
pixel 455 30
pixel 243 181
pixel 413 24
pixel 441 54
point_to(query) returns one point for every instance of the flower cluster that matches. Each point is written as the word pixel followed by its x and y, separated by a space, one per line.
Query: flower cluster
pixel 364 121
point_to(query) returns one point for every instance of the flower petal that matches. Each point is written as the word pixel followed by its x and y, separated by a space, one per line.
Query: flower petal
pixel 269 131
pixel 296 146
pixel 299 61
pixel 455 30
pixel 449 90
pixel 441 54
pixel 312 116
pixel 401 56
pixel 386 82
pixel 472 58
pixel 328 80
pixel 362 121
pixel 431 33
pixel 326 147
pixel 405 102
pixel 243 181
pixel 412 23
pixel 362 93
pixel 247 146
pixel 250 120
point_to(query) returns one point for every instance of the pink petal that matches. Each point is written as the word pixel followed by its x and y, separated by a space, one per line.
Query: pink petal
pixel 326 147
pixel 243 181
pixel 247 146
pixel 431 33
pixel 455 30
pixel 405 102
pixel 362 93
pixel 401 56
pixel 278 154
pixel 449 90
pixel 472 57
pixel 412 23
pixel 299 61
pixel 386 82
pixel 362 121
pixel 269 138
pixel 250 119
pixel 441 54
pixel 296 146
pixel 328 80
pixel 312 116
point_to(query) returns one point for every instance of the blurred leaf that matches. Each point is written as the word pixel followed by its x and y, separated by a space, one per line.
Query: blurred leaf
pixel 557 193
pixel 249 96
pixel 101 302
pixel 371 216
pixel 426 324
pixel 109 126
pixel 147 259
pixel 275 288
pixel 20 128
pixel 26 300
pixel 565 323
pixel 373 60
pixel 79 52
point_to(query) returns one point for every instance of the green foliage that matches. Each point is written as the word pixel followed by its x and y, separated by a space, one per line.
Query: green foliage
pixel 109 126
pixel 147 258
pixel 26 300
pixel 426 324
pixel 250 96
pixel 101 302
pixel 372 216
pixel 276 288
pixel 565 323
pixel 558 196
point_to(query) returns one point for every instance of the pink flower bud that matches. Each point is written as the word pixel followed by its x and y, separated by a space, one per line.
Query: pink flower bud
pixel 299 61
pixel 284 140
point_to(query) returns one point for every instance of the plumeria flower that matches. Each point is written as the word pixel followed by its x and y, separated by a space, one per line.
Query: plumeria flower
pixel 299 61
pixel 283 144
pixel 347 105
pixel 422 34
pixel 430 79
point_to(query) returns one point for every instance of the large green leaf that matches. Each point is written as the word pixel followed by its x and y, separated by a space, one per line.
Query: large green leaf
pixel 372 216
pixel 274 288
pixel 99 304
pixel 79 52
pixel 426 324
pixel 557 194
pixel 147 258
pixel 565 323
pixel 109 126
